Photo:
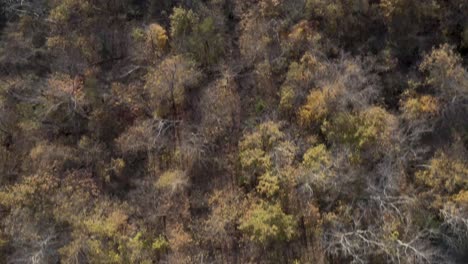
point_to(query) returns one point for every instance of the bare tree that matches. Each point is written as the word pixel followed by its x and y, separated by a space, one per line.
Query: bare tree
pixel 43 250
pixel 455 228
pixel 35 8
pixel 383 228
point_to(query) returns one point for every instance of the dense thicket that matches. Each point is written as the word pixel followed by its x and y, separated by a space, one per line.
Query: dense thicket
pixel 233 131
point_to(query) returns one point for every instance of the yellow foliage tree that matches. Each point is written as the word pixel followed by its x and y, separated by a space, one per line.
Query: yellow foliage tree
pixel 265 223
pixel 445 175
pixel 422 107
pixel 369 131
pixel 317 107
pixel 156 38
pixel 445 72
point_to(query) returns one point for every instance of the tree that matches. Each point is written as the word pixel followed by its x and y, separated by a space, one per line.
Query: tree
pixel 66 103
pixel 302 37
pixel 389 229
pixel 445 175
pixel 370 131
pixel 455 224
pixel 168 84
pixel 228 206
pixel 172 180
pixel 317 158
pixel 200 37
pixel 14 8
pixel 265 151
pixel 300 78
pixel 253 48
pixel 420 108
pixel 220 105
pixel 340 85
pixel 404 19
pixel 329 12
pixel 150 42
pixel 265 223
pixel 270 8
pixel 76 35
pixel 207 43
pixel 350 23
pixel 182 22
pixel 445 72
pixel 156 38
pixel 52 158
pixel 317 107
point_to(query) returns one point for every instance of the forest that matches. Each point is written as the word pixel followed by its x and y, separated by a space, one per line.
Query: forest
pixel 233 131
